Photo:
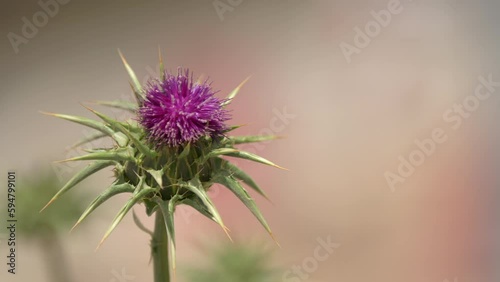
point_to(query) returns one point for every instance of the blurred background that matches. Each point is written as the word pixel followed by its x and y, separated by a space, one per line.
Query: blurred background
pixel 349 114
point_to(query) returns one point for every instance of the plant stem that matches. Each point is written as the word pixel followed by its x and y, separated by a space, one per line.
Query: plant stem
pixel 159 250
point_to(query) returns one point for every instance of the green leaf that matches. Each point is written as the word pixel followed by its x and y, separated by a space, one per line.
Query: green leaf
pixel 139 224
pixel 98 150
pixel 122 105
pixel 119 154
pixel 220 152
pixel 90 138
pixel 119 138
pixel 139 97
pixel 111 191
pixel 125 209
pixel 118 126
pixel 133 126
pixel 233 93
pixel 233 127
pixel 136 85
pixel 251 139
pixel 185 151
pixel 151 207
pixel 235 187
pixel 197 188
pixel 242 155
pixel 162 67
pixel 198 205
pixel 243 176
pixel 84 121
pixel 142 183
pixel 157 175
pixel 77 178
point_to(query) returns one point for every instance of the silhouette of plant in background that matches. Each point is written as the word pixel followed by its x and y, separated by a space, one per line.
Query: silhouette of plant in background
pixel 33 191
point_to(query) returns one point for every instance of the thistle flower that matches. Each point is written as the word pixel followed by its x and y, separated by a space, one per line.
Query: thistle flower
pixel 170 157
pixel 176 111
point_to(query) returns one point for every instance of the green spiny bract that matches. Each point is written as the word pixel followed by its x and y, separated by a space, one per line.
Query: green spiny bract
pixel 163 177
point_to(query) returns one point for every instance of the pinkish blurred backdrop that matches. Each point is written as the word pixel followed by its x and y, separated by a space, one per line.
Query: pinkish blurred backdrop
pixel 346 119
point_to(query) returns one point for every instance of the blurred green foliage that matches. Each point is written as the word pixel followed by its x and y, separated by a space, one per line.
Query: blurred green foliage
pixel 235 263
pixel 34 189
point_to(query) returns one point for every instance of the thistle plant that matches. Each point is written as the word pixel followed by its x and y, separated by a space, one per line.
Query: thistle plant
pixel 170 153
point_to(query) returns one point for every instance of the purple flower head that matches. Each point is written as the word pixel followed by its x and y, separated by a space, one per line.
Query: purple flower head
pixel 177 111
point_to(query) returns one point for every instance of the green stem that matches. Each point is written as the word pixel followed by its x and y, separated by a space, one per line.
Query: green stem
pixel 159 250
